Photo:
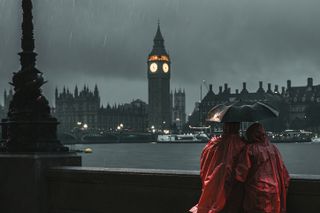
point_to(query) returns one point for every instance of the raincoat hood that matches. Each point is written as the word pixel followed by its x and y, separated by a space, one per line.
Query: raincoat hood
pixel 261 168
pixel 256 134
pixel 217 162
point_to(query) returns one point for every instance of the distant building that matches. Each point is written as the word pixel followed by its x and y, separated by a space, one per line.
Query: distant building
pixel 194 117
pixel 131 116
pixel 159 69
pixel 84 107
pixel 75 107
pixel 304 105
pixel 7 97
pixel 179 109
pixel 224 96
pixel 299 105
pixel 2 116
pixel 2 112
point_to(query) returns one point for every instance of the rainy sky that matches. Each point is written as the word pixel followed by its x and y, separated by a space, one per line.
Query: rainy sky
pixel 219 41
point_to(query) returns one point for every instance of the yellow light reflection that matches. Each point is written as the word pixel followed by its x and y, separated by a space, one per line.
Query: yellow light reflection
pixel 164 58
pixel 158 58
pixel 216 117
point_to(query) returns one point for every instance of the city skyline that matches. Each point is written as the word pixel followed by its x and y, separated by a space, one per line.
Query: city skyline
pixel 88 42
pixel 45 161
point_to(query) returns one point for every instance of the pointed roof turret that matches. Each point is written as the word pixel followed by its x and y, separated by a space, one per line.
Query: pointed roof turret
pixel 210 96
pixel 4 97
pixel 158 43
pixel 244 88
pixel 76 91
pixel 96 91
pixel 158 36
pixel 269 89
pixel 56 93
pixel 260 90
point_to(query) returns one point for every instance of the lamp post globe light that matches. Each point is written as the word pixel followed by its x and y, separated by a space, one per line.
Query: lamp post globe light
pixel 85 126
pixel 29 126
pixel 152 129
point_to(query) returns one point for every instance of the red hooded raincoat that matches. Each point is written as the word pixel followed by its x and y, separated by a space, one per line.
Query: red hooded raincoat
pixel 264 173
pixel 217 162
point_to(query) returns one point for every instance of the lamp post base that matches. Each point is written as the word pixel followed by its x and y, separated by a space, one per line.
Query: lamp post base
pixel 31 136
pixel 23 179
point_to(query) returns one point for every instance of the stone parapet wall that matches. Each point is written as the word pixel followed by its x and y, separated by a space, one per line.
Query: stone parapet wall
pixel 84 190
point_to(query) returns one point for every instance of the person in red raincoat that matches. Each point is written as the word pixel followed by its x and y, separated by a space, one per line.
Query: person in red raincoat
pixel 217 162
pixel 266 178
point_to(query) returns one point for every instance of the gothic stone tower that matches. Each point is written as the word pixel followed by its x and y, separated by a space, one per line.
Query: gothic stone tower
pixel 179 108
pixel 159 111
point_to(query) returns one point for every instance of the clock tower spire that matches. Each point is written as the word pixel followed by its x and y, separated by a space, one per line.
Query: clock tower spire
pixel 159 111
pixel 158 43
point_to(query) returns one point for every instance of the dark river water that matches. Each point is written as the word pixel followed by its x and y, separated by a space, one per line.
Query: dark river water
pixel 300 158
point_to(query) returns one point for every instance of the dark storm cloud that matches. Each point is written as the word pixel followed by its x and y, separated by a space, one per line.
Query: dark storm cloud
pixel 107 42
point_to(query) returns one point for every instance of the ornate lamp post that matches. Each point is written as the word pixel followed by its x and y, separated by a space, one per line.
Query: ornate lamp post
pixel 29 126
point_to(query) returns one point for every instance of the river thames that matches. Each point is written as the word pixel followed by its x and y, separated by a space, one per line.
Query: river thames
pixel 300 158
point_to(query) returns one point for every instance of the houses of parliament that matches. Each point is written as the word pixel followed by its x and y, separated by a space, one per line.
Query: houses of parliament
pixel 73 108
pixel 165 109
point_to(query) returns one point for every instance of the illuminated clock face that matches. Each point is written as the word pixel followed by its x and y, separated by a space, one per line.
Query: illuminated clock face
pixel 165 67
pixel 153 67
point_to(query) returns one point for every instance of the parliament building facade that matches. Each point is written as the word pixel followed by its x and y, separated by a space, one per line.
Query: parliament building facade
pixel 299 105
pixel 84 108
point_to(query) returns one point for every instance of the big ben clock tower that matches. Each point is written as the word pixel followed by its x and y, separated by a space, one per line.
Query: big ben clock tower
pixel 159 111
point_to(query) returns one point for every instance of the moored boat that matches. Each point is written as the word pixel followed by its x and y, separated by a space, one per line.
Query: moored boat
pixel 291 136
pixel 183 138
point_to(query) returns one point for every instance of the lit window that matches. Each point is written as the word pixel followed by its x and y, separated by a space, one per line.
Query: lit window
pixel 159 58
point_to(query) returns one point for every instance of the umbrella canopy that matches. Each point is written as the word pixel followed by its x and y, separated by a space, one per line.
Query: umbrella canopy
pixel 242 113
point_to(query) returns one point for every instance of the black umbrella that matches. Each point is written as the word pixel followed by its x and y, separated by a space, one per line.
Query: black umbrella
pixel 242 112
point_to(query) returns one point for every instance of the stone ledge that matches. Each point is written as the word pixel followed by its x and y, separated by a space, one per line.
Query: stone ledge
pixel 75 169
pixel 108 176
pixel 81 189
pixel 37 155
